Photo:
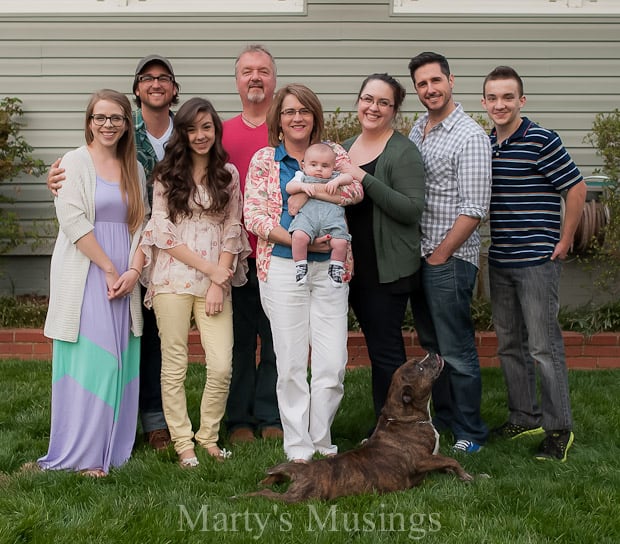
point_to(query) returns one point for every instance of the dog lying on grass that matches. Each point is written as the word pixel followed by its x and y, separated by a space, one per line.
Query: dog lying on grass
pixel 402 449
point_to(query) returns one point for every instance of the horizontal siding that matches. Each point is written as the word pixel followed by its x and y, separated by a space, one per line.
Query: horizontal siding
pixel 570 66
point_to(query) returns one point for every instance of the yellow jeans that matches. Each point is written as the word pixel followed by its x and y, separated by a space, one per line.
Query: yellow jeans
pixel 173 313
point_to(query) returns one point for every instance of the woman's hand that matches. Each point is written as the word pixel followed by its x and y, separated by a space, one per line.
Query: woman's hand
pixel 124 285
pixel 214 300
pixel 321 244
pixel 111 277
pixel 355 171
pixel 55 177
pixel 220 275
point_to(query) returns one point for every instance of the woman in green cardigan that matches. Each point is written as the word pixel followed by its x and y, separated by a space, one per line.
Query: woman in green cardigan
pixel 385 227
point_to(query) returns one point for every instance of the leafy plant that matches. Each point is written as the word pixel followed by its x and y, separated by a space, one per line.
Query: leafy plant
pixel 604 256
pixel 15 159
pixel 23 311
pixel 340 126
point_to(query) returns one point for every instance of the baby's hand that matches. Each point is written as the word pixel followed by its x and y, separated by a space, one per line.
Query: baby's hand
pixel 331 187
pixel 308 188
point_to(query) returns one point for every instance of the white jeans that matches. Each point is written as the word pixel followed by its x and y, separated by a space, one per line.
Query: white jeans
pixel 314 314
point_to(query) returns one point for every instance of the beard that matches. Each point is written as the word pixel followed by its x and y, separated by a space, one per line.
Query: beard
pixel 256 95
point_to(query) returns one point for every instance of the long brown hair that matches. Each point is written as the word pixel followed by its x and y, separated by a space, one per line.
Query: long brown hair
pixel 125 153
pixel 176 169
pixel 308 99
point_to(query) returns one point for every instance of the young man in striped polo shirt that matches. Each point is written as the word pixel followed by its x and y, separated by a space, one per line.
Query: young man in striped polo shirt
pixel 531 169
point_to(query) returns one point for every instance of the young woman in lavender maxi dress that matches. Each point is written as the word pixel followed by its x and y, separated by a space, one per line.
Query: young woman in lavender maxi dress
pixel 94 313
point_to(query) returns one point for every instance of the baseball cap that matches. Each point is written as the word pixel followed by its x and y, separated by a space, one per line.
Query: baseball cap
pixel 154 58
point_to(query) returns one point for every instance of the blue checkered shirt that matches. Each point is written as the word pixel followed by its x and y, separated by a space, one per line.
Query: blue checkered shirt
pixel 457 166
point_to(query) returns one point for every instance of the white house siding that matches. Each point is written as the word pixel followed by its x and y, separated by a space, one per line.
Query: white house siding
pixel 570 66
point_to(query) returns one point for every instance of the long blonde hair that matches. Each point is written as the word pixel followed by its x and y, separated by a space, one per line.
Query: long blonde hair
pixel 125 153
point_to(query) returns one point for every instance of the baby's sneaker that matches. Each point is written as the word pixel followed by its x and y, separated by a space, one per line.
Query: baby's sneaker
pixel 335 272
pixel 301 273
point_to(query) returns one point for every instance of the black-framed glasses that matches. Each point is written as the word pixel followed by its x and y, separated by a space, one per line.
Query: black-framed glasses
pixel 291 112
pixel 116 120
pixel 382 103
pixel 162 79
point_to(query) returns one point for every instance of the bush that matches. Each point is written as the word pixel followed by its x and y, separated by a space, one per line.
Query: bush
pixel 15 159
pixel 23 311
pixel 604 256
pixel 340 126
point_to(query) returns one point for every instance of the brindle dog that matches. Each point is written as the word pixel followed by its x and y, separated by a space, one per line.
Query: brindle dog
pixel 402 449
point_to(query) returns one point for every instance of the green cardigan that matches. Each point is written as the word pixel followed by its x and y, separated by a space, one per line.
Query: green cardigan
pixel 397 194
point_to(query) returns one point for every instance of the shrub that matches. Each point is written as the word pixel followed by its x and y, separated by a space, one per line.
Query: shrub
pixel 23 311
pixel 604 256
pixel 15 159
pixel 340 126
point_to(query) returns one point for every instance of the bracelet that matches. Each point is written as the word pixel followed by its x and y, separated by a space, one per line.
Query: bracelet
pixel 134 268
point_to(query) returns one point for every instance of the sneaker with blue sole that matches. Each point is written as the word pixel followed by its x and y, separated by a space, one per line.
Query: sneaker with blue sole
pixel 466 446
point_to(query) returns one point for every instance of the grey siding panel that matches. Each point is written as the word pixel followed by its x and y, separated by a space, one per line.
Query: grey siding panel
pixel 570 66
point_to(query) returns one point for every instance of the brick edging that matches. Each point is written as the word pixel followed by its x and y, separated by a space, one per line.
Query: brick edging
pixel 601 350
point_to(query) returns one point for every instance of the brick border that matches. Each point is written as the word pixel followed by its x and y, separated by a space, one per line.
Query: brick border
pixel 598 351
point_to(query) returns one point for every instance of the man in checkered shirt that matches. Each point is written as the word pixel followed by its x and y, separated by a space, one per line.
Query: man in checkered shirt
pixel 457 163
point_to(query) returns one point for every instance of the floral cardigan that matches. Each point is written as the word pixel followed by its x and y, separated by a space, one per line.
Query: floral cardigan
pixel 262 207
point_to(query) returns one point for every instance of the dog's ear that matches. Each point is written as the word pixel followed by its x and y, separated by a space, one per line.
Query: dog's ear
pixel 407 394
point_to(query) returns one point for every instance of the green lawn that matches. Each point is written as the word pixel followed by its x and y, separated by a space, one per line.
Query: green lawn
pixel 515 499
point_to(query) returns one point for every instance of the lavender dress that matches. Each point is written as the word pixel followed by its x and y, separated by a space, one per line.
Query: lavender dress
pixel 95 380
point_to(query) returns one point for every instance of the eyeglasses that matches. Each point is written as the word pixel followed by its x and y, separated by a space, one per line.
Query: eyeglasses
pixel 149 79
pixel 117 120
pixel 291 112
pixel 382 103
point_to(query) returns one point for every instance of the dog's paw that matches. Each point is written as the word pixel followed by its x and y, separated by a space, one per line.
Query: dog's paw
pixel 466 477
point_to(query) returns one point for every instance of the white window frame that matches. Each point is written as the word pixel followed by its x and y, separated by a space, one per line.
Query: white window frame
pixel 506 7
pixel 128 7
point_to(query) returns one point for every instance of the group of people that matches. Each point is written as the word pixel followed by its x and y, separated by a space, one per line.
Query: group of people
pixel 248 236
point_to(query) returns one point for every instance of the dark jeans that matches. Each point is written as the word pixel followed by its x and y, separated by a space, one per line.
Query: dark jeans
pixel 525 304
pixel 252 400
pixel 151 411
pixel 380 313
pixel 442 314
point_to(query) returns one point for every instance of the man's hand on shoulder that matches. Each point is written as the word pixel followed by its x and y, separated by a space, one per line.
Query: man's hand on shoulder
pixel 55 177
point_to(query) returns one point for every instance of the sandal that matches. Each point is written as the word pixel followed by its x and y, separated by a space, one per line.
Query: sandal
pixel 188 459
pixel 30 467
pixel 189 462
pixel 93 473
pixel 219 454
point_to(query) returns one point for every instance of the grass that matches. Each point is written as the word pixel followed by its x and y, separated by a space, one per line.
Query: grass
pixel 151 500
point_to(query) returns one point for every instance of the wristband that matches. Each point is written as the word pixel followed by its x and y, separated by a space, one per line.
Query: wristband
pixel 134 268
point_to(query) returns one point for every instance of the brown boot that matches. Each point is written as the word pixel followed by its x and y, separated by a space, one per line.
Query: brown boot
pixel 241 435
pixel 272 432
pixel 158 439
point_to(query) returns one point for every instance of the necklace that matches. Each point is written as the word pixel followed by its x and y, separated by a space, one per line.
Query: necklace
pixel 253 125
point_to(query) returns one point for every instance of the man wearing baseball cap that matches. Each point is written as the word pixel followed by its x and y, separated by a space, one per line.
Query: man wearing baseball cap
pixel 155 91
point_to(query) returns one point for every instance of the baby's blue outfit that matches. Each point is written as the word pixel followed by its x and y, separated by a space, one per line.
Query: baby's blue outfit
pixel 318 218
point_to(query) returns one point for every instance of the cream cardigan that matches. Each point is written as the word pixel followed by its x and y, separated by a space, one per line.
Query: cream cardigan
pixel 75 210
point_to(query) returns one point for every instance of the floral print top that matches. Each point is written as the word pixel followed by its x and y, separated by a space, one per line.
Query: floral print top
pixel 207 234
pixel 263 201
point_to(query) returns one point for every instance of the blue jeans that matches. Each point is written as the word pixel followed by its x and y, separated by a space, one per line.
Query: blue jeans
pixel 442 314
pixel 525 303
